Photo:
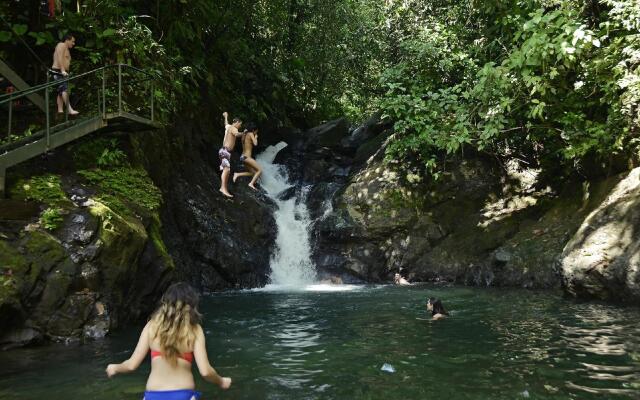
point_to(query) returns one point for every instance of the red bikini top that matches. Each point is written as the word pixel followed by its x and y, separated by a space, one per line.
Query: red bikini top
pixel 185 356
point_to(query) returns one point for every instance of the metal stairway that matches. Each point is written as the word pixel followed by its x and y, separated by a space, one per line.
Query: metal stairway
pixel 107 103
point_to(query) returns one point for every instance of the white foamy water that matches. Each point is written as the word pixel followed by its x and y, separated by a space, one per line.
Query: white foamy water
pixel 291 266
pixel 316 287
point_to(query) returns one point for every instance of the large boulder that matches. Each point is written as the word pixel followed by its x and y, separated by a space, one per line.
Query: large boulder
pixel 602 259
pixel 329 134
pixel 96 271
pixel 479 224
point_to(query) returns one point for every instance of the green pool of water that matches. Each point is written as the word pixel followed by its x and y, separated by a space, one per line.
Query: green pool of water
pixel 498 344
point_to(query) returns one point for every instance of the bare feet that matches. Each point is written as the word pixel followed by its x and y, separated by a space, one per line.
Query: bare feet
pixel 73 112
pixel 224 192
pixel 235 176
pixel 252 187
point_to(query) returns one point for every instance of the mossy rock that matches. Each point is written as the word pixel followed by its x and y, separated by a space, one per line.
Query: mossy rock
pixel 13 266
pixel 125 189
pixel 23 266
pixel 45 189
pixel 123 239
pixel 158 243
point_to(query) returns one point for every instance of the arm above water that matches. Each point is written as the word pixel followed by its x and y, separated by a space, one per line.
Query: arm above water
pixel 254 139
pixel 140 352
pixel 202 360
pixel 226 118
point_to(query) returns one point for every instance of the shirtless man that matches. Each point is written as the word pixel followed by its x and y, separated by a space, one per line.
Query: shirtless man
pixel 60 68
pixel 399 280
pixel 249 139
pixel 229 142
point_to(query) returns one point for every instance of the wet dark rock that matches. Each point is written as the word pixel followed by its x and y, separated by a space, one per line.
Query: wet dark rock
pixel 18 337
pixel 91 251
pixel 273 136
pixel 328 135
pixel 80 196
pixel 292 161
pixel 316 170
pixel 217 243
pixel 339 172
pixel 217 250
pixel 99 322
pixel 78 228
pixel 89 277
pixel 320 198
pixel 288 193
pixel 371 128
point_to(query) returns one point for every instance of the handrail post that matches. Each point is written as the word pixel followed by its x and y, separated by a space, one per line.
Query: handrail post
pixel 104 101
pixel 10 116
pixel 46 111
pixel 3 179
pixel 119 88
pixel 152 95
pixel 66 106
pixel 99 100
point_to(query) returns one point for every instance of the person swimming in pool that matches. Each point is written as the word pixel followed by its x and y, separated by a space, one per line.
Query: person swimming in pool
pixel 175 338
pixel 437 309
pixel 399 280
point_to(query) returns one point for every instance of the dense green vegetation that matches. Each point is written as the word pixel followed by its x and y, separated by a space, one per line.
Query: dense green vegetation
pixel 46 189
pixel 548 82
pixel 551 82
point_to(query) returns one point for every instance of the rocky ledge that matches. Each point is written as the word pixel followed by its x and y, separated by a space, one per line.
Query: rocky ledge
pixel 481 223
pixel 96 269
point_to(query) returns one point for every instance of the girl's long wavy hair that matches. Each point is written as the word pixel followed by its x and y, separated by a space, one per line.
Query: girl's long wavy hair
pixel 175 320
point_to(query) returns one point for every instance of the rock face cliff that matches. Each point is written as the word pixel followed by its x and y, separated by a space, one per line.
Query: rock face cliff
pixel 86 246
pixel 482 223
pixel 602 259
pixel 217 243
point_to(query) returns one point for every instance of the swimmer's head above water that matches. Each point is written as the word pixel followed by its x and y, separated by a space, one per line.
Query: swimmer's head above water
pixel 435 306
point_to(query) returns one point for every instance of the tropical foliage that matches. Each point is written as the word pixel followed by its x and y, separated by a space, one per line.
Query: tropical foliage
pixel 551 82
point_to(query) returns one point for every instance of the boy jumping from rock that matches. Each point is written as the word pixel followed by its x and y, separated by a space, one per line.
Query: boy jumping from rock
pixel 231 133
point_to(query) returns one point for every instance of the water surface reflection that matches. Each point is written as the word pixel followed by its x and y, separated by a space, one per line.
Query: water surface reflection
pixel 498 344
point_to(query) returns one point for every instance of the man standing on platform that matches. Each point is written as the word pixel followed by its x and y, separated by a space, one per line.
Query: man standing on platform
pixel 60 68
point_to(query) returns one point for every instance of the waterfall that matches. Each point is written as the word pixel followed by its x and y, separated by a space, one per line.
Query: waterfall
pixel 291 264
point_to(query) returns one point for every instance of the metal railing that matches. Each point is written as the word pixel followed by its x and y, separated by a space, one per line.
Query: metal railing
pixel 107 92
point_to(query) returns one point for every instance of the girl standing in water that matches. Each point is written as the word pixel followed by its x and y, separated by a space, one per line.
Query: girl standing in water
pixel 175 338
